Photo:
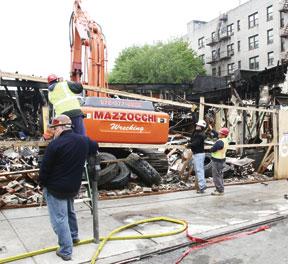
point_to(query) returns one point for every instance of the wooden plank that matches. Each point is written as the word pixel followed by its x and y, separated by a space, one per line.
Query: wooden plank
pixel 252 145
pixel 241 108
pixel 276 136
pixel 201 110
pixel 22 77
pixel 102 90
pixel 136 96
pixel 281 158
pixel 101 145
pixel 8 173
pixel 264 158
pixel 151 146
pixel 18 143
pixel 128 145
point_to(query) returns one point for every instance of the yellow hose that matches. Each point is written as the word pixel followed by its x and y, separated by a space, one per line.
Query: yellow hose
pixel 109 237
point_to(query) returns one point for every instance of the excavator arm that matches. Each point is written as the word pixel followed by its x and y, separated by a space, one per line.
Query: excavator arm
pixel 88 51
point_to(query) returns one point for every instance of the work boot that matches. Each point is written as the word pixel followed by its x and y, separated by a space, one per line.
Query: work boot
pixel 201 190
pixel 75 240
pixel 217 193
pixel 64 257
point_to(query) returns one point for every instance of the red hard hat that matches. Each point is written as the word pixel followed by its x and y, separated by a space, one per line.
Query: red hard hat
pixel 224 131
pixel 52 78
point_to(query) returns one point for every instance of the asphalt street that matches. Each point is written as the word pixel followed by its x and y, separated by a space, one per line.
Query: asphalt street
pixel 265 247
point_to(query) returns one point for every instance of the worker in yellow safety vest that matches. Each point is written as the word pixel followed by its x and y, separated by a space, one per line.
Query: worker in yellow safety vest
pixel 63 96
pixel 218 155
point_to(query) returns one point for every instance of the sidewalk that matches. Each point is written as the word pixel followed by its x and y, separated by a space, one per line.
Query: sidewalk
pixel 29 229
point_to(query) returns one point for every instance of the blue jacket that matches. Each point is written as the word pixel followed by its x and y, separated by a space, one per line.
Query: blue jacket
pixel 63 163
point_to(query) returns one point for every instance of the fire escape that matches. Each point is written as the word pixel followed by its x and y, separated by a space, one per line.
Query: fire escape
pixel 284 30
pixel 218 44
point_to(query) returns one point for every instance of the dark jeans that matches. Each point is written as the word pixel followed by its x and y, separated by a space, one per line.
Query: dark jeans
pixel 217 172
pixel 78 125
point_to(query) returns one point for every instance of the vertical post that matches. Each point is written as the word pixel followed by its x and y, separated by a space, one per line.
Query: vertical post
pixel 201 108
pixel 243 139
pixel 275 120
pixel 95 178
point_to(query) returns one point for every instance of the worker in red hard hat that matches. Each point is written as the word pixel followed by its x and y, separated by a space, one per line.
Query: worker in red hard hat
pixel 218 154
pixel 63 96
pixel 60 176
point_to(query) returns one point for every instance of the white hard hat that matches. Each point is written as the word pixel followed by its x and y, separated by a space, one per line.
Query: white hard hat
pixel 201 123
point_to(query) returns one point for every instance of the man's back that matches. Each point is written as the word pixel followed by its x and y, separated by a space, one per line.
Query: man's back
pixel 63 163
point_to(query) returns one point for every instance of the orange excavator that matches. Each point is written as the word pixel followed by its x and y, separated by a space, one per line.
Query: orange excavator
pixel 108 119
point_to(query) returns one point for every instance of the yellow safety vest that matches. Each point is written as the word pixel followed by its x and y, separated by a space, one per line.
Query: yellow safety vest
pixel 221 154
pixel 63 99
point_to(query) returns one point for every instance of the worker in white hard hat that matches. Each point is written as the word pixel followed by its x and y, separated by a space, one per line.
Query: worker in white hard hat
pixel 197 146
pixel 60 176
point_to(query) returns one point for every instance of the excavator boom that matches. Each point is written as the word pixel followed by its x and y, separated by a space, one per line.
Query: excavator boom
pixel 104 122
pixel 87 44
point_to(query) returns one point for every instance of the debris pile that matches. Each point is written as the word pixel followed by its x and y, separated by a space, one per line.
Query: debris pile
pixel 241 167
pixel 23 158
pixel 21 189
pixel 18 180
pixel 127 177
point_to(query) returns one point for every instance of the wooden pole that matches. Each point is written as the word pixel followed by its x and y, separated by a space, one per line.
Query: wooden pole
pixel 276 146
pixel 201 110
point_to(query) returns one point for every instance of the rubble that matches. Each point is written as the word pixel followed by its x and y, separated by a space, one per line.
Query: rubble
pixel 21 189
pixel 241 167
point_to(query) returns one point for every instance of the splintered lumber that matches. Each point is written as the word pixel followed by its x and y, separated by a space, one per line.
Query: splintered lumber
pixel 264 159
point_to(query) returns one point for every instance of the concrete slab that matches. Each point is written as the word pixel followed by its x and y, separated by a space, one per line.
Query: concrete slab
pixel 1 216
pixel 30 228
pixel 10 243
pixel 35 211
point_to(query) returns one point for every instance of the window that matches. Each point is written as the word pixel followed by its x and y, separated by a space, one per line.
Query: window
pixel 270 36
pixel 213 36
pixel 282 23
pixel 202 58
pixel 239 65
pixel 270 57
pixel 238 25
pixel 253 42
pixel 219 70
pixel 230 49
pixel 201 43
pixel 214 71
pixel 269 13
pixel 238 45
pixel 254 63
pixel 214 55
pixel 230 68
pixel 282 44
pixel 253 20
pixel 230 29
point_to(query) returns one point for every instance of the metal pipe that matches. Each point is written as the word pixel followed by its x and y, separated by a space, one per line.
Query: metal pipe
pixel 95 178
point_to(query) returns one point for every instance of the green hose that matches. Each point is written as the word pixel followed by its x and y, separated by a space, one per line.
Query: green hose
pixel 109 237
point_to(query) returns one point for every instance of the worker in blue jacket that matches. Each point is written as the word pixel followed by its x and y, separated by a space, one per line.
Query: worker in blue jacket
pixel 60 175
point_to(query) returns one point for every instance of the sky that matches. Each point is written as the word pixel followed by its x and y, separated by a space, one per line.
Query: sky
pixel 35 33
